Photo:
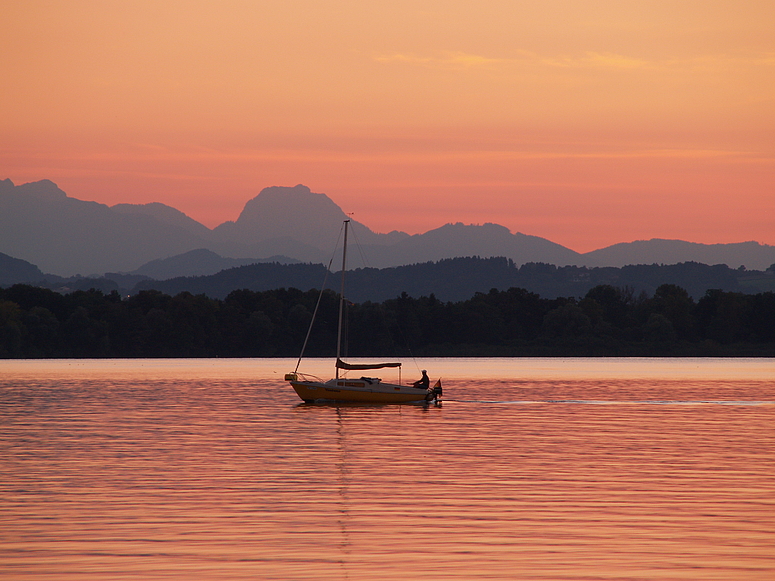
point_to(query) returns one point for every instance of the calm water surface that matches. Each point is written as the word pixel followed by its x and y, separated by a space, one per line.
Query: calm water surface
pixel 531 469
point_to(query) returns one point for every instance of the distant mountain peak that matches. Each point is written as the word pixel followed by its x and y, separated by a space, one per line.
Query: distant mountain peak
pixel 300 189
pixel 283 202
pixel 751 254
pixel 164 214
pixel 291 214
pixel 487 226
pixel 43 190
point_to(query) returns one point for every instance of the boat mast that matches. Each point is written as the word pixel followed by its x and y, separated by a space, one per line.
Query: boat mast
pixel 341 299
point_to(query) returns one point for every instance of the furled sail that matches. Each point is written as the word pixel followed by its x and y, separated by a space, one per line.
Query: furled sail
pixel 353 366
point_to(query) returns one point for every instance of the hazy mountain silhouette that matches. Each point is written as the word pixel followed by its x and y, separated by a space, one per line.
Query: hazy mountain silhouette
pixel 293 222
pixel 199 262
pixel 460 240
pixel 262 276
pixel 752 255
pixel 275 213
pixel 165 215
pixel 65 236
pixel 13 270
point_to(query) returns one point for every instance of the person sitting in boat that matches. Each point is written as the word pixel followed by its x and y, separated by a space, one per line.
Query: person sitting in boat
pixel 424 382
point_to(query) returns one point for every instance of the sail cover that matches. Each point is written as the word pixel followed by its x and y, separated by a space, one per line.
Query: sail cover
pixel 342 365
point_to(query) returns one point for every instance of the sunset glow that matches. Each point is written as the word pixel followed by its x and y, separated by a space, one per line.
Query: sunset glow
pixel 584 123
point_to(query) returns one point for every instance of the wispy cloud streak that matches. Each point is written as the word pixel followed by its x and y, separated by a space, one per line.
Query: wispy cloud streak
pixel 589 60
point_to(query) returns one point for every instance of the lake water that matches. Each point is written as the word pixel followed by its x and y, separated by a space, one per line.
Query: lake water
pixel 551 469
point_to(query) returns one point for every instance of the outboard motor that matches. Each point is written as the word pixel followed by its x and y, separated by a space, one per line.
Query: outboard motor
pixel 434 393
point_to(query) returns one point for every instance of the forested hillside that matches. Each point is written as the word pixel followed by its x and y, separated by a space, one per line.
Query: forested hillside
pixel 608 321
pixel 457 279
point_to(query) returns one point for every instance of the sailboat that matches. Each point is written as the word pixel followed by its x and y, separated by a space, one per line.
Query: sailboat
pixel 362 389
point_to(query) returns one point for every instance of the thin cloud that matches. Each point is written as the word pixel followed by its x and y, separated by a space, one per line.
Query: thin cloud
pixel 445 59
pixel 464 59
pixel 614 61
pixel 590 60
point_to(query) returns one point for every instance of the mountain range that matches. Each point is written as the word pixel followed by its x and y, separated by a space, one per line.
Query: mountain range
pixel 64 236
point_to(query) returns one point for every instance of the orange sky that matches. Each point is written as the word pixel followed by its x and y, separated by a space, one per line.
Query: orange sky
pixel 588 123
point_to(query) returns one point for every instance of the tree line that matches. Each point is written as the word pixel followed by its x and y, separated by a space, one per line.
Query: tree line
pixel 608 321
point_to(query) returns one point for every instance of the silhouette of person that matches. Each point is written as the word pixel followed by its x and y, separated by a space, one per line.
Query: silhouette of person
pixel 424 382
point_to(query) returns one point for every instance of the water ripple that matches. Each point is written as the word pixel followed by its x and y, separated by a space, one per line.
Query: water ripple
pixel 167 473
